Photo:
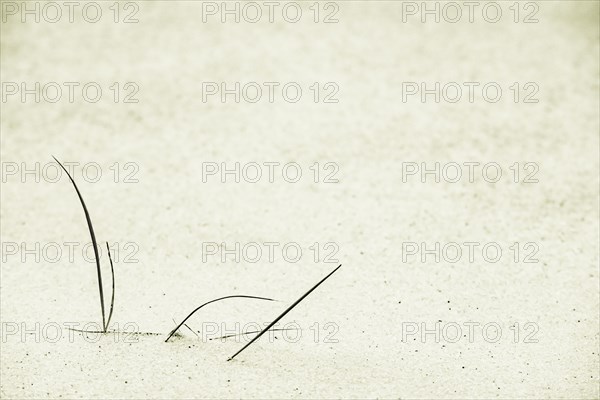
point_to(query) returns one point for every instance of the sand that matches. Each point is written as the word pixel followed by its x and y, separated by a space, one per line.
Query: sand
pixel 362 331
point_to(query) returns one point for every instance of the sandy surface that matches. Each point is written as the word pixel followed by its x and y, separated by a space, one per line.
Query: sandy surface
pixel 376 297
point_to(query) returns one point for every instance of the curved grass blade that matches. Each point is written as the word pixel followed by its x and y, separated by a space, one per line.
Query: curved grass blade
pixel 213 301
pixel 93 235
pixel 112 297
pixel 284 313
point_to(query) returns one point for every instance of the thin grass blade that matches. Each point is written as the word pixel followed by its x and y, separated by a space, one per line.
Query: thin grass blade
pixel 213 301
pixel 95 245
pixel 284 313
pixel 112 297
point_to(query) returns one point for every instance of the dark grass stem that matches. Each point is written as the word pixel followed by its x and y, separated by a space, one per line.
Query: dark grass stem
pixel 112 298
pixel 93 235
pixel 284 313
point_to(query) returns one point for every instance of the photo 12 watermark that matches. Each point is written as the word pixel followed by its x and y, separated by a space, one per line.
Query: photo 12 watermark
pixel 452 12
pixel 54 12
pixel 470 172
pixel 270 92
pixel 253 12
pixel 270 172
pixel 86 171
pixel 69 92
pixel 290 332
pixel 469 92
pixel 469 332
pixel 54 332
pixel 270 252
pixel 469 252
pixel 54 252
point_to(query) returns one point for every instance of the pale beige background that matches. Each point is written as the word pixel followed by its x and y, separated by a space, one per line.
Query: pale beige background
pixel 369 133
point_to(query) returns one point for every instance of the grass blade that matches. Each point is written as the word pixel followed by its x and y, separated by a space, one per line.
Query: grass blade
pixel 284 313
pixel 93 235
pixel 112 297
pixel 213 301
